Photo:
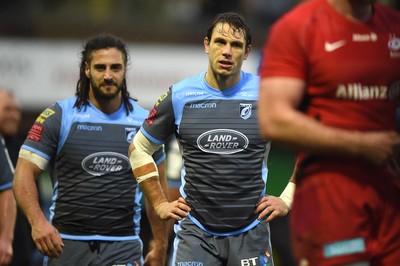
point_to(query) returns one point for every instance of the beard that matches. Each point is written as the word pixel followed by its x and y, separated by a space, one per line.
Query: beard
pixel 105 94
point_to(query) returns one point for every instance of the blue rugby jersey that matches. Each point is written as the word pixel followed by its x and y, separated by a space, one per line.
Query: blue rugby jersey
pixel 224 171
pixel 95 196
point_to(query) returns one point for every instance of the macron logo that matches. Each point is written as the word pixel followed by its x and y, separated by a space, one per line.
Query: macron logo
pixel 330 47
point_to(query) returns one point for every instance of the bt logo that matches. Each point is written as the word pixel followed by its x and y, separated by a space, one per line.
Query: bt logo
pixel 249 262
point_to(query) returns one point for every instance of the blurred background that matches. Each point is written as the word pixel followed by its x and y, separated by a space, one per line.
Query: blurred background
pixel 41 41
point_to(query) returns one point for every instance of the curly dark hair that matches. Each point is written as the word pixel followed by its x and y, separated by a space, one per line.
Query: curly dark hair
pixel 235 21
pixel 102 41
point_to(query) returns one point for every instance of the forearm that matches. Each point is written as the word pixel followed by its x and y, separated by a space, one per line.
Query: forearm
pixel 26 193
pixel 145 170
pixel 305 133
pixel 282 121
pixel 159 230
pixel 153 192
pixel 8 212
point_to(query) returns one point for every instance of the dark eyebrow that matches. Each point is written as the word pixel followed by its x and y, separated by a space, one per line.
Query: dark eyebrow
pixel 219 39
pixel 112 65
pixel 239 43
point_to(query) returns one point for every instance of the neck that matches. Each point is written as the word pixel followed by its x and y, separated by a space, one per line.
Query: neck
pixel 360 10
pixel 107 106
pixel 220 82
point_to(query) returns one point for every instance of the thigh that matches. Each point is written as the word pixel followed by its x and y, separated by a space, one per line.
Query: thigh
pixel 252 248
pixel 386 249
pixel 193 246
pixel 122 253
pixel 98 253
pixel 338 220
pixel 74 253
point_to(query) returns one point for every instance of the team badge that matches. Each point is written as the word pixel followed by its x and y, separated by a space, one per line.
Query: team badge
pixel 265 258
pixel 151 117
pixel 245 110
pixel 44 115
pixel 130 134
pixel 394 46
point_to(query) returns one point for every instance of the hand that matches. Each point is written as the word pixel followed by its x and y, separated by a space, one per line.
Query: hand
pixel 6 252
pixel 47 239
pixel 156 256
pixel 393 163
pixel 176 209
pixel 379 147
pixel 272 207
pixel 382 148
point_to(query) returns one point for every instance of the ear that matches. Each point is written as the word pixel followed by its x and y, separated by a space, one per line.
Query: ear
pixel 87 70
pixel 206 45
pixel 248 50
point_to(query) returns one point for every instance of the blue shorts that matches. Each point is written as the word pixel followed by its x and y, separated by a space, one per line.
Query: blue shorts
pixel 77 252
pixel 193 246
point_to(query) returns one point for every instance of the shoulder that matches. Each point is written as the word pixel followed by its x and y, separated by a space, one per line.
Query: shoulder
pixel 138 109
pixel 303 15
pixel 250 77
pixel 195 80
pixel 391 15
pixel 67 103
pixel 250 80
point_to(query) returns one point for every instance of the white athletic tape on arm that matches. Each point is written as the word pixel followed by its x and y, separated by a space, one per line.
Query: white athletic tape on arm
pixel 39 161
pixel 288 194
pixel 142 155
pixel 144 177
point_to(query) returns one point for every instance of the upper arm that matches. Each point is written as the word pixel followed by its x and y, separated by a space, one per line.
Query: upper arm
pixel 160 124
pixel 279 100
pixel 283 75
pixel 26 169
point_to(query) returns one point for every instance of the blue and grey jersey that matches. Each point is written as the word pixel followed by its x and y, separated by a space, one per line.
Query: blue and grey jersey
pixel 95 196
pixel 6 167
pixel 224 171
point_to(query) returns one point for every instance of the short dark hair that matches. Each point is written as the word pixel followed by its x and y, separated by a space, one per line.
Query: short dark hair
pixel 98 42
pixel 235 21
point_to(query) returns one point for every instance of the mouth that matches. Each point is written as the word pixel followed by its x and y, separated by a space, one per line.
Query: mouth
pixel 226 64
pixel 108 85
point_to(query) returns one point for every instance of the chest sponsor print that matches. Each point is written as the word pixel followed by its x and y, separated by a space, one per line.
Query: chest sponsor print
pixel 105 162
pixel 222 141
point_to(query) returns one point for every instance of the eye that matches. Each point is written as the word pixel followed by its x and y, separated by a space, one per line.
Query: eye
pixel 116 67
pixel 237 45
pixel 100 67
pixel 219 41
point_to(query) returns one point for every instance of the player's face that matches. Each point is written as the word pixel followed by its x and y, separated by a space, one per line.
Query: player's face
pixel 106 72
pixel 226 51
pixel 10 114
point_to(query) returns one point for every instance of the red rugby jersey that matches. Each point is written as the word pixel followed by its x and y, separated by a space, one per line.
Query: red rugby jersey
pixel 352 69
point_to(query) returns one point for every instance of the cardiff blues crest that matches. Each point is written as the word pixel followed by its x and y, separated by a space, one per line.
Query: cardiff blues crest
pixel 245 110
pixel 130 134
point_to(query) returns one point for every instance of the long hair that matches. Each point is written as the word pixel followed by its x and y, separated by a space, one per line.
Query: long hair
pixel 235 21
pixel 102 41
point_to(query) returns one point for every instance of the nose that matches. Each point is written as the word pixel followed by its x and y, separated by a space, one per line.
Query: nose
pixel 227 51
pixel 107 74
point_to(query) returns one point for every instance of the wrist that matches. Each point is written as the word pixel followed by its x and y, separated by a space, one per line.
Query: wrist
pixel 288 194
pixel 158 245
